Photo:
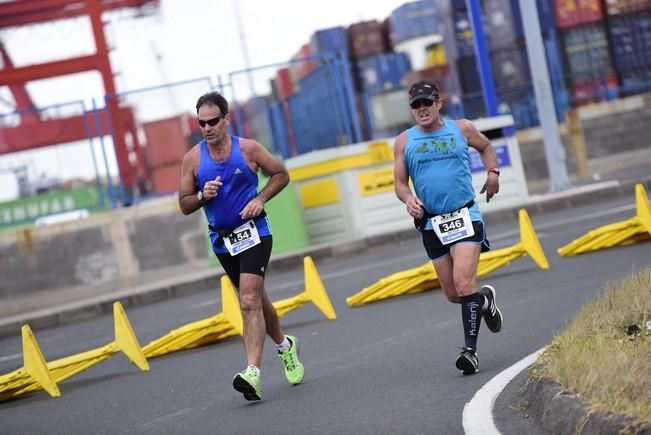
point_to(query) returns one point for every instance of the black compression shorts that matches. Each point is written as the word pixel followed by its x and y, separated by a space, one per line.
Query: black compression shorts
pixel 254 260
pixel 436 250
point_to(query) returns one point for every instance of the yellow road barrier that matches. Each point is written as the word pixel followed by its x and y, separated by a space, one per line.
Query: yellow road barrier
pixel 229 321
pixel 624 232
pixel 218 327
pixel 36 374
pixel 424 277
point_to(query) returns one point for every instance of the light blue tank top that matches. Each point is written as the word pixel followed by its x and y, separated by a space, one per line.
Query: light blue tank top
pixel 240 185
pixel 439 167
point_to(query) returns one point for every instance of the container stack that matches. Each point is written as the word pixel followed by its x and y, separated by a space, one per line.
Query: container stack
pixel 629 29
pixel 583 36
pixel 167 141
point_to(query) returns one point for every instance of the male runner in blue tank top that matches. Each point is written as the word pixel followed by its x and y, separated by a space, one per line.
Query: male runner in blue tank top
pixel 219 174
pixel 434 155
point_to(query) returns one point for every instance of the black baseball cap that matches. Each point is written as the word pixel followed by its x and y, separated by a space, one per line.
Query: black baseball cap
pixel 423 90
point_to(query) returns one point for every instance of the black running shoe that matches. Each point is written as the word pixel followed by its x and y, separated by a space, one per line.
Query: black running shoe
pixel 467 361
pixel 492 315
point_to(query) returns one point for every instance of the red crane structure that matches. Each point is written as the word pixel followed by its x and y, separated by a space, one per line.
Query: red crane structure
pixel 32 131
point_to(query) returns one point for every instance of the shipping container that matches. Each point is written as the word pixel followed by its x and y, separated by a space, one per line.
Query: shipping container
pixel 320 115
pixel 368 38
pixel 301 68
pixel 587 52
pixel 459 5
pixel 626 7
pixel 435 55
pixel 643 36
pixel 416 49
pixel 390 111
pixel 333 40
pixel 594 90
pixel 439 75
pixel 165 179
pixel 413 19
pixel 468 72
pixel 166 140
pixel 383 73
pixel 510 67
pixel 503 25
pixel 635 81
pixel 572 13
pixel 465 45
pixel 283 84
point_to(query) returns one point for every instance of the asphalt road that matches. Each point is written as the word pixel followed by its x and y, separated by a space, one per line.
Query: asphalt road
pixel 387 367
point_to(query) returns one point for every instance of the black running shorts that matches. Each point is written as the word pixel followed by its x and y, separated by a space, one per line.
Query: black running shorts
pixel 254 260
pixel 436 250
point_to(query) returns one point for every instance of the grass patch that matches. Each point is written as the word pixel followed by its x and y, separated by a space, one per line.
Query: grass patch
pixel 596 357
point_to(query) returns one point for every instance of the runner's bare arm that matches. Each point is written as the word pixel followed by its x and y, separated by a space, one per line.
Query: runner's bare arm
pixel 401 178
pixel 259 157
pixel 188 201
pixel 486 153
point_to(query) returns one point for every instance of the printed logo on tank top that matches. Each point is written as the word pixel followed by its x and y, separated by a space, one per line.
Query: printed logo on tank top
pixel 442 147
pixel 237 171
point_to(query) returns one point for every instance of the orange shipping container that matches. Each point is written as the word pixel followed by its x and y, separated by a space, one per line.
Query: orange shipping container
pixel 284 84
pixel 571 13
pixel 301 69
pixel 166 140
pixel 166 179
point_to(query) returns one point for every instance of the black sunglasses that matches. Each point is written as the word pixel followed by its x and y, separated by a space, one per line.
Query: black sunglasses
pixel 422 102
pixel 211 122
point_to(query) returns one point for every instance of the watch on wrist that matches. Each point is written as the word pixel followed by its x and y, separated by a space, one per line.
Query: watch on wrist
pixel 200 195
pixel 495 171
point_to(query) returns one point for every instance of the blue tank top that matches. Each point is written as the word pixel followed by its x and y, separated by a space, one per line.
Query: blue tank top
pixel 439 167
pixel 240 185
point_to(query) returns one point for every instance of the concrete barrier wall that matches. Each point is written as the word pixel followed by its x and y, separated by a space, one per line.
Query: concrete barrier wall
pixel 103 253
pixel 609 128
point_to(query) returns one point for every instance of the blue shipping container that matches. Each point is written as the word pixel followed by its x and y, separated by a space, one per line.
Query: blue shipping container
pixel 319 111
pixel 383 73
pixel 413 19
pixel 330 40
pixel 586 49
pixel 622 38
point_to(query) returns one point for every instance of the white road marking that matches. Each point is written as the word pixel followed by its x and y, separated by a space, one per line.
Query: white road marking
pixel 10 357
pixel 478 413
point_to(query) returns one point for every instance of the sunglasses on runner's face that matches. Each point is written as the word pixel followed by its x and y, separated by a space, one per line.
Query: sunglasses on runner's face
pixel 211 122
pixel 422 102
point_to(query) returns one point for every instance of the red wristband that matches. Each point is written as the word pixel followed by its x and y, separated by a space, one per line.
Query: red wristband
pixel 495 171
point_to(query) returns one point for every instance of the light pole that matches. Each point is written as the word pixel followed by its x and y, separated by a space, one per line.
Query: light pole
pixel 554 151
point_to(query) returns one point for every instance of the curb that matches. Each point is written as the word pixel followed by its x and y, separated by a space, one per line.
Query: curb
pixel 563 413
pixel 207 279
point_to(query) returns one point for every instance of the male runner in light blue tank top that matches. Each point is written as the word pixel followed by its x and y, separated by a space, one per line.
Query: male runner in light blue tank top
pixel 219 174
pixel 434 155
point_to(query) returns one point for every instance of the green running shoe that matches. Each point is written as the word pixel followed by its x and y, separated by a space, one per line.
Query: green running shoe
pixel 249 383
pixel 294 370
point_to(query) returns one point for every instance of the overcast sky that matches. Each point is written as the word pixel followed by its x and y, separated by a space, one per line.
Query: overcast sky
pixel 193 39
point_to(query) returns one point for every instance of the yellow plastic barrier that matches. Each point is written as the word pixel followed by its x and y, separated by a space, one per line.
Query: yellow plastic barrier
pixel 624 232
pixel 424 277
pixel 314 292
pixel 37 374
pixel 229 321
pixel 223 325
